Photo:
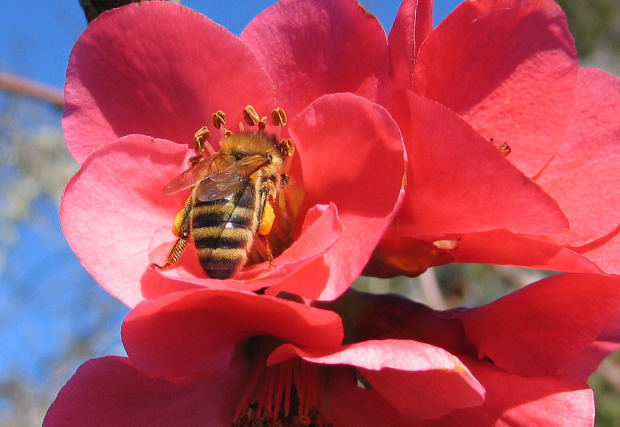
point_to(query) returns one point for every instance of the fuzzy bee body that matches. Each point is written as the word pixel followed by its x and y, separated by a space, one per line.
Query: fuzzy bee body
pixel 231 191
pixel 223 230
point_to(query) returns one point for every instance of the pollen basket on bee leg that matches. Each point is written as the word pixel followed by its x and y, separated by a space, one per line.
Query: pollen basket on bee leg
pixel 266 222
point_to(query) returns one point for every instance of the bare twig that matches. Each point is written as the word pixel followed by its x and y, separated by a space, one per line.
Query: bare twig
pixel 32 89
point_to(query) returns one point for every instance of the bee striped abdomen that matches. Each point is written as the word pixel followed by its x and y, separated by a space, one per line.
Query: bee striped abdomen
pixel 223 231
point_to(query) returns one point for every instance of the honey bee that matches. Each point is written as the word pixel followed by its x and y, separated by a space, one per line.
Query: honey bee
pixel 231 193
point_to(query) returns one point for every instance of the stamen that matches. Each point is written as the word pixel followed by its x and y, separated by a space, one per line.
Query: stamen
pixel 278 116
pixel 288 393
pixel 287 147
pixel 250 115
pixel 200 137
pixel 262 123
pixel 219 119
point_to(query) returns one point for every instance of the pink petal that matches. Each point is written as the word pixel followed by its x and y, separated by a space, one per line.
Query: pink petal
pixel 373 317
pixel 157 69
pixel 370 408
pixel 459 183
pixel 112 206
pixel 416 378
pixel 584 177
pixel 413 23
pixel 517 401
pixel 320 230
pixel 194 333
pixel 604 252
pixel 505 248
pixel 541 328
pixel 352 156
pixel 509 68
pixel 588 360
pixel 111 391
pixel 316 47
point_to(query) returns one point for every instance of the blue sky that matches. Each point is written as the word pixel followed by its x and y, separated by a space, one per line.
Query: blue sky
pixel 40 294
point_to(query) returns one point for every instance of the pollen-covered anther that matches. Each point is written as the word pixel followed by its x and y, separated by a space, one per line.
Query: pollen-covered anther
pixel 287 147
pixel 250 115
pixel 200 137
pixel 278 117
pixel 219 119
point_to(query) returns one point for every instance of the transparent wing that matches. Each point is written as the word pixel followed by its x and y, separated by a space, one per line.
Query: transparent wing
pixel 192 175
pixel 228 180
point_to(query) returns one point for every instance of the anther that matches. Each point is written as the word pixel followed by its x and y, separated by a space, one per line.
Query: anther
pixel 262 122
pixel 200 136
pixel 227 132
pixel 505 149
pixel 278 117
pixel 287 147
pixel 219 118
pixel 250 115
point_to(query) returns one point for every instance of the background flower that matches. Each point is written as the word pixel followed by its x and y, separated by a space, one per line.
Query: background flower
pixel 515 360
pixel 531 350
pixel 291 357
pixel 524 90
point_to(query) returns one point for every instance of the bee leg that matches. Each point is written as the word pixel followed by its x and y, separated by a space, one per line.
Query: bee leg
pixel 181 229
pixel 265 242
pixel 174 255
pixel 266 217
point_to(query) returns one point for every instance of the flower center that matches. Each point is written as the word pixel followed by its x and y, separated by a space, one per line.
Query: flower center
pixel 276 212
pixel 238 212
pixel 286 394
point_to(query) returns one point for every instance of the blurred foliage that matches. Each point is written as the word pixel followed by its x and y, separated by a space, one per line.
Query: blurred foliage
pixel 34 163
pixel 593 23
pixel 606 385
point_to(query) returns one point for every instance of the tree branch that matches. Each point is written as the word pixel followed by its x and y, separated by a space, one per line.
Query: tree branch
pixel 32 89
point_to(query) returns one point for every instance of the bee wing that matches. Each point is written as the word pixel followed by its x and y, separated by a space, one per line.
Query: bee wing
pixel 192 175
pixel 228 180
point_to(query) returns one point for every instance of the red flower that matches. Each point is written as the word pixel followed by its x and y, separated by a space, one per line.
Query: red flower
pixel 499 77
pixel 222 356
pixel 143 78
pixel 532 350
